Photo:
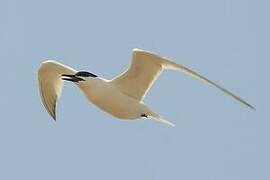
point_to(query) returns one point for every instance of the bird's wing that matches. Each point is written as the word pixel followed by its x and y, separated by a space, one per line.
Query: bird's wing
pixel 144 69
pixel 50 83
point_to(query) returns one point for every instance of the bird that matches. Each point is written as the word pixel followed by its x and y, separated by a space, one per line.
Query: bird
pixel 122 96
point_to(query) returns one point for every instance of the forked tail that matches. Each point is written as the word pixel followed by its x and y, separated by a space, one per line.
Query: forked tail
pixel 159 118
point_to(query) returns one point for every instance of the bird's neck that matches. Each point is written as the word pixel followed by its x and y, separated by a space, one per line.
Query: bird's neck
pixel 92 84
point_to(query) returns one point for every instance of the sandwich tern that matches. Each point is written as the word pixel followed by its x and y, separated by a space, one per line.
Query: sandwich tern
pixel 123 96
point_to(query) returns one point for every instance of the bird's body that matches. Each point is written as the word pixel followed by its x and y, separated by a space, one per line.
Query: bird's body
pixel 100 91
pixel 122 96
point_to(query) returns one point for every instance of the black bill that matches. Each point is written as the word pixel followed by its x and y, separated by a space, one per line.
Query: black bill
pixel 72 78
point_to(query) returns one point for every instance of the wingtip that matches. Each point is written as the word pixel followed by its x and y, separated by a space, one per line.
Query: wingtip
pixel 54 117
pixel 250 106
pixel 171 125
pixel 253 108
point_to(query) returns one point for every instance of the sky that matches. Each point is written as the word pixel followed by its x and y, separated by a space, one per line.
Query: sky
pixel 215 137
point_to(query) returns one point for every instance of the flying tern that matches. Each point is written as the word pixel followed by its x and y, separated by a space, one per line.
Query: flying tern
pixel 122 96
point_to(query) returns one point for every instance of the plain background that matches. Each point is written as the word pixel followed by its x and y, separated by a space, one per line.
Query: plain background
pixel 215 137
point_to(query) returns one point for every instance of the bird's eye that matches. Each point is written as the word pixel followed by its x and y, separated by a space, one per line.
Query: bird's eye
pixel 85 74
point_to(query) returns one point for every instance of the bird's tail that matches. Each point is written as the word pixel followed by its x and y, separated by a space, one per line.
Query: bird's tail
pixel 157 117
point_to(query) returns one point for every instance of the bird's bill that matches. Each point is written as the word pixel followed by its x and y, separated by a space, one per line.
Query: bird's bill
pixel 72 78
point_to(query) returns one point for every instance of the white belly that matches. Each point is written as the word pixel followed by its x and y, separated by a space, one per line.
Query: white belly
pixel 112 101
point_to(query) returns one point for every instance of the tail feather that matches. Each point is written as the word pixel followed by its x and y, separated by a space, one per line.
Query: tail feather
pixel 161 119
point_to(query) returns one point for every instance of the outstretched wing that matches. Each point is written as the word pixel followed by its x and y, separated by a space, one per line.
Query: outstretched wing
pixel 144 69
pixel 50 83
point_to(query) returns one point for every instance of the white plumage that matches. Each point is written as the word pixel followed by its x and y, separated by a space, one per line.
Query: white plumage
pixel 122 96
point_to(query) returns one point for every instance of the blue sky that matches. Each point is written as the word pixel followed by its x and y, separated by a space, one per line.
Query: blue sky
pixel 215 137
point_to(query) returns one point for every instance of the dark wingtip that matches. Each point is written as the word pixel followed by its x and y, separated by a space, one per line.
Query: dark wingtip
pixel 54 117
pixel 253 108
pixel 53 114
pixel 250 106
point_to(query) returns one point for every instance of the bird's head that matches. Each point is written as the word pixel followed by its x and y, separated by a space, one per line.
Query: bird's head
pixel 80 76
